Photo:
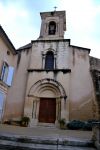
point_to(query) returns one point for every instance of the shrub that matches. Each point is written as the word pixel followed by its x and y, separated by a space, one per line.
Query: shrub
pixel 87 126
pixel 75 125
pixel 25 121
pixel 92 120
pixel 62 123
pixel 7 122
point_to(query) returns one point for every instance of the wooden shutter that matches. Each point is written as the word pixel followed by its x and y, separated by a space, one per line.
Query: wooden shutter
pixel 10 75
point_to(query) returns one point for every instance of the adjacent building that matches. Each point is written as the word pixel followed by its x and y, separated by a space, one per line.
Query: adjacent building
pixel 7 65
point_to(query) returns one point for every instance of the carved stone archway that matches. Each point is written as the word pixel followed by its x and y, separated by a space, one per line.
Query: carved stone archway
pixel 45 88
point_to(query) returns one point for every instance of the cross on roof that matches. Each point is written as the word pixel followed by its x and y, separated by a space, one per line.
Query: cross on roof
pixel 55 8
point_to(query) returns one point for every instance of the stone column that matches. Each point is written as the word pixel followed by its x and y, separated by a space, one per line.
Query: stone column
pixel 63 108
pixel 37 108
pixel 43 61
pixel 34 108
pixel 35 112
pixel 55 61
pixel 28 107
pixel 58 110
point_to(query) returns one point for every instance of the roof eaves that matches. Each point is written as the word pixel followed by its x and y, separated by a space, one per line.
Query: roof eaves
pixel 27 46
pixel 83 48
pixel 7 40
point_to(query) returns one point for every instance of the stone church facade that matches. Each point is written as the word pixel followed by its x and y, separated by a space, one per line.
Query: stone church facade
pixel 52 79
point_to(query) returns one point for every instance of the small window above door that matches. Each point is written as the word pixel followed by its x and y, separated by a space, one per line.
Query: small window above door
pixel 49 60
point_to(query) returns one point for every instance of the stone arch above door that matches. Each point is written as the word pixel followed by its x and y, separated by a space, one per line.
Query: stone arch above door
pixel 45 92
pixel 47 87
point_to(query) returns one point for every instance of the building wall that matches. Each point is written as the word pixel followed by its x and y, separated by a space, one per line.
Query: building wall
pixel 82 97
pixel 78 84
pixel 16 94
pixel 5 56
pixel 95 73
pixel 9 58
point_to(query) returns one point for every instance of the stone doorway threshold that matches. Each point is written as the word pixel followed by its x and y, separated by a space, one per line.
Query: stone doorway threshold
pixel 49 125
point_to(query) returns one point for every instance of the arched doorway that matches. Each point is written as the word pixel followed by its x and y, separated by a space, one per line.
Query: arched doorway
pixel 45 99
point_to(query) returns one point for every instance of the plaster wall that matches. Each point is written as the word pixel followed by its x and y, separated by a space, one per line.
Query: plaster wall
pixel 5 56
pixel 16 94
pixel 82 97
pixel 77 84
pixel 60 48
pixel 10 59
pixel 80 103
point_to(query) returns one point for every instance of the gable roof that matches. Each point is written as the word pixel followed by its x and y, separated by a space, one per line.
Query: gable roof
pixel 27 46
pixel 6 39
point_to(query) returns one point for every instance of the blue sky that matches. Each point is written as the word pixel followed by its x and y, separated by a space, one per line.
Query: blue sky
pixel 21 21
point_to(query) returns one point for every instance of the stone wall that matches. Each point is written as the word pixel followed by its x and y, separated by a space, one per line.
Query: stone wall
pixel 95 72
pixel 96 135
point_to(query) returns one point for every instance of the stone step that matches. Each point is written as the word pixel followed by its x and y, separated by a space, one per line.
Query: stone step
pixel 8 145
pixel 15 142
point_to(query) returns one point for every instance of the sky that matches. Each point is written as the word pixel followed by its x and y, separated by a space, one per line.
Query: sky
pixel 21 21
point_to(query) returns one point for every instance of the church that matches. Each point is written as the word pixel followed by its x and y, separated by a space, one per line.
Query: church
pixel 48 79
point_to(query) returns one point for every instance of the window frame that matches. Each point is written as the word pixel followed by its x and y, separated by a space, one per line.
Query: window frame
pixel 49 61
pixel 44 57
pixel 4 72
pixel 7 73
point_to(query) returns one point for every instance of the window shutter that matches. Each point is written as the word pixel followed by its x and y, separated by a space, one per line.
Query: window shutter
pixel 1 66
pixel 10 75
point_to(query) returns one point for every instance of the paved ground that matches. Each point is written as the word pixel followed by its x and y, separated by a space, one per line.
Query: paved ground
pixel 68 148
pixel 50 133
pixel 46 132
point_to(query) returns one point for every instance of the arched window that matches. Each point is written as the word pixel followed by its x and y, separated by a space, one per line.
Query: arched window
pixel 49 60
pixel 52 28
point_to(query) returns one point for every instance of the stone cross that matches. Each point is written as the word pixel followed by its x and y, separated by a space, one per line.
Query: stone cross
pixel 55 8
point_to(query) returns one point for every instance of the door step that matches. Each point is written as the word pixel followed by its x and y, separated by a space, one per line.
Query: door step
pixel 48 125
pixel 15 142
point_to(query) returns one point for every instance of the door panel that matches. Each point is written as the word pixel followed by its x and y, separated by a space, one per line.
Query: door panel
pixel 47 111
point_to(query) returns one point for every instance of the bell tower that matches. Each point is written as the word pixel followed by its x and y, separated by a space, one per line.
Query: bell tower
pixel 53 25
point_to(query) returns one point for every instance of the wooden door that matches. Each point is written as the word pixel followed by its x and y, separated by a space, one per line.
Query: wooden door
pixel 47 111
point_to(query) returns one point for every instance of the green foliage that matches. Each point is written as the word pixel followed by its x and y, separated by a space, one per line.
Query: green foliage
pixel 62 121
pixel 89 124
pixel 25 121
pixel 77 124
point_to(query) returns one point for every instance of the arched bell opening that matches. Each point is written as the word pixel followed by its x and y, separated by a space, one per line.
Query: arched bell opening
pixel 52 28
